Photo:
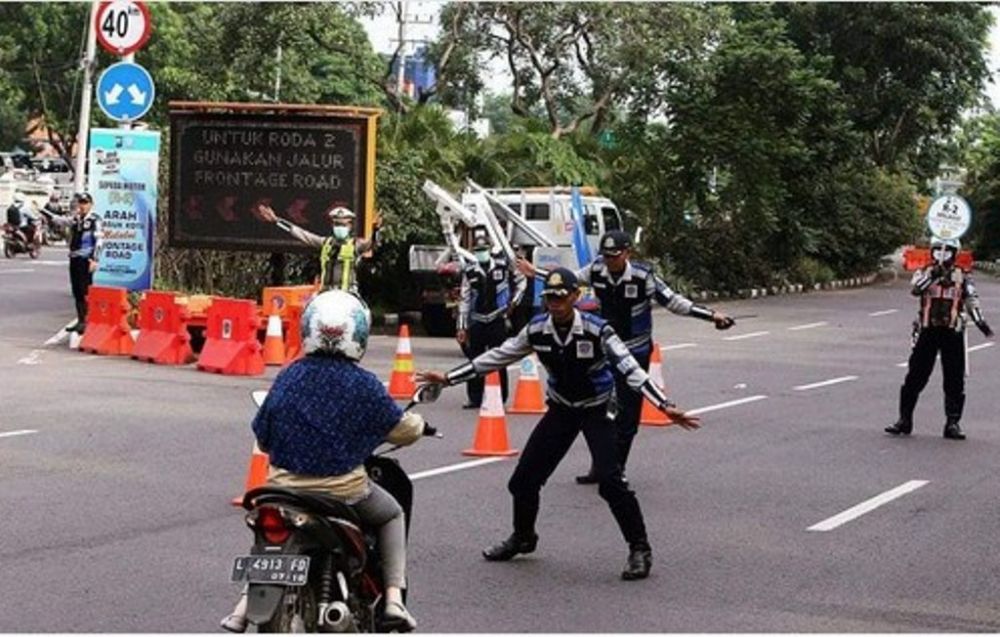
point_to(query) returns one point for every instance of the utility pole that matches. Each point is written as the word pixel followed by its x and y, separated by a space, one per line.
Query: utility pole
pixel 401 59
pixel 86 97
pixel 277 77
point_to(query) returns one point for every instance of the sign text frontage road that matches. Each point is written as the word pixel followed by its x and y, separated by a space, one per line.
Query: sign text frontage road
pixel 125 91
pixel 300 161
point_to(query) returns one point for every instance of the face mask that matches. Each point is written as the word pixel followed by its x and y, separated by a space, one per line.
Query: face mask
pixel 341 232
pixel 483 256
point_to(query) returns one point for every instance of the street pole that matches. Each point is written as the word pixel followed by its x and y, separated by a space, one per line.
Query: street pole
pixel 401 60
pixel 83 130
pixel 277 78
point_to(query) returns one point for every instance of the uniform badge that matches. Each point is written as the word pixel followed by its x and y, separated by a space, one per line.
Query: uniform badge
pixel 584 349
pixel 498 275
pixel 631 291
pixel 609 243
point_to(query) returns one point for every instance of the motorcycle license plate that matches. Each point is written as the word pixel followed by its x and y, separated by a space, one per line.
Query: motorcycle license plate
pixel 289 570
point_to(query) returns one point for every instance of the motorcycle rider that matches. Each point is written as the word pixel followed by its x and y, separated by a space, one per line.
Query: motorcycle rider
pixel 84 251
pixel 22 221
pixel 339 252
pixel 578 351
pixel 486 303
pixel 946 295
pixel 626 290
pixel 322 418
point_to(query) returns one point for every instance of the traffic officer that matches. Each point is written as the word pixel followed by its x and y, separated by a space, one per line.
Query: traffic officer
pixel 946 295
pixel 339 252
pixel 626 290
pixel 84 251
pixel 578 350
pixel 485 305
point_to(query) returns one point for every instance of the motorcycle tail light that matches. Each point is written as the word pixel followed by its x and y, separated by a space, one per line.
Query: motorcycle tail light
pixel 272 525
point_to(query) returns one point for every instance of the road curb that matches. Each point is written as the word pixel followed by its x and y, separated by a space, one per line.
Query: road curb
pixel 780 290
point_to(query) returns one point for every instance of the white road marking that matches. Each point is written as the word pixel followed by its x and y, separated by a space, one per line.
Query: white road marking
pixel 678 346
pixel 31 359
pixel 882 312
pixel 903 364
pixel 868 505
pixel 825 383
pixel 743 336
pixel 731 403
pixel 52 262
pixel 59 336
pixel 19 432
pixel 17 271
pixel 807 326
pixel 976 348
pixel 455 467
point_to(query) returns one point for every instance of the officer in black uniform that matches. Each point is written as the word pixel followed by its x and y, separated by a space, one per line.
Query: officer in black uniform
pixel 486 303
pixel 579 351
pixel 946 294
pixel 626 291
pixel 84 251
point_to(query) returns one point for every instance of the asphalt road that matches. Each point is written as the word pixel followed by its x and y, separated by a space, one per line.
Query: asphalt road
pixel 116 477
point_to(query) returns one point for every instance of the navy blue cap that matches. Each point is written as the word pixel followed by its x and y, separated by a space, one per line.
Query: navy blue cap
pixel 560 282
pixel 614 242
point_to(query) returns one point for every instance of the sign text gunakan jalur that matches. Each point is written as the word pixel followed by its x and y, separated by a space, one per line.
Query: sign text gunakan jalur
pixel 300 160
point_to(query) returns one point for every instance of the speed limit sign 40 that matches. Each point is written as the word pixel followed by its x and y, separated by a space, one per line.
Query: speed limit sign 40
pixel 123 26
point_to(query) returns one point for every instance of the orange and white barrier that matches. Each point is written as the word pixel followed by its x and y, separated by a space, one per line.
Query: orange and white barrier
pixel 260 464
pixel 650 415
pixel 528 395
pixel 274 342
pixel 401 383
pixel 491 431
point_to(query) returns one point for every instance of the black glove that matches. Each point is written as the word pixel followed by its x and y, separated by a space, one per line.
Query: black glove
pixel 985 329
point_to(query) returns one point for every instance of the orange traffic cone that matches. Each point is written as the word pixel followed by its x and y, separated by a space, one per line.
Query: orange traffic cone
pixel 491 432
pixel 274 342
pixel 650 415
pixel 528 392
pixel 260 464
pixel 401 383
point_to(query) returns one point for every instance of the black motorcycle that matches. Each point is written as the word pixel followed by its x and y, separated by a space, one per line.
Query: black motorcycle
pixel 313 567
pixel 16 241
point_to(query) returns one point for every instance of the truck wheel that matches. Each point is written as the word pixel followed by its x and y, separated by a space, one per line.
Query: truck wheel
pixel 437 320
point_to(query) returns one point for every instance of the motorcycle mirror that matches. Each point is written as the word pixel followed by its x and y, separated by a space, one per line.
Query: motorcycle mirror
pixel 427 393
pixel 259 396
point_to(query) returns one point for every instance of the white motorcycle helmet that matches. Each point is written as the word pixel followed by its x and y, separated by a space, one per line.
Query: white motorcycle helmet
pixel 336 323
pixel 944 252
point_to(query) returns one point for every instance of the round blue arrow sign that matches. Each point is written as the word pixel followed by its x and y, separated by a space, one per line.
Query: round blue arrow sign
pixel 125 91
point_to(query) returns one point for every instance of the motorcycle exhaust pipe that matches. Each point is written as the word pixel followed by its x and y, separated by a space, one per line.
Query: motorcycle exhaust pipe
pixel 337 618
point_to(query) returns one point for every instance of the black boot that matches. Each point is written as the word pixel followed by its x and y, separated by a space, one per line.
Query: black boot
pixel 640 560
pixel 902 426
pixel 588 478
pixel 952 430
pixel 514 545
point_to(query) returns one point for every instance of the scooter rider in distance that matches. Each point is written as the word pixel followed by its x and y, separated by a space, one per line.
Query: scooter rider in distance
pixel 578 351
pixel 322 418
pixel 944 291
pixel 339 252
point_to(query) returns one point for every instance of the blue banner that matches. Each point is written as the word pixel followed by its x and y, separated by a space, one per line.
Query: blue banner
pixel 122 178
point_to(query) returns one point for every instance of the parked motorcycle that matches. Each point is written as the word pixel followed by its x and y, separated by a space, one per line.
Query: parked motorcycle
pixel 18 242
pixel 313 567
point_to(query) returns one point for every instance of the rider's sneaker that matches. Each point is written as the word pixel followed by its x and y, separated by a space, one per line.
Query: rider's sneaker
pixel 234 623
pixel 396 617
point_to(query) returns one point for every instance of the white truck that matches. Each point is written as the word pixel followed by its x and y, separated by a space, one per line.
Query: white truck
pixel 537 223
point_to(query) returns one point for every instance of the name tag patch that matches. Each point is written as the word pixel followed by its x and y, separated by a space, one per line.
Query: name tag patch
pixel 498 275
pixel 631 291
pixel 584 349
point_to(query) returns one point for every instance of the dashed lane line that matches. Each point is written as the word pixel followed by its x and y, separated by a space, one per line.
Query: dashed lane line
pixel 807 326
pixel 825 383
pixel 882 312
pixel 731 403
pixel 19 432
pixel 740 337
pixel 666 348
pixel 867 506
pixel 17 271
pixel 976 348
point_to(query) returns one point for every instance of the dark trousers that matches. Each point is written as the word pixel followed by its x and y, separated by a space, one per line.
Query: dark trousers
pixel 484 336
pixel 80 278
pixel 951 344
pixel 628 411
pixel 547 446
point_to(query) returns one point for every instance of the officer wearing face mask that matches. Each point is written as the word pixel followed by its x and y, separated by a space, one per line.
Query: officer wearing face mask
pixel 339 252
pixel 491 290
pixel 947 300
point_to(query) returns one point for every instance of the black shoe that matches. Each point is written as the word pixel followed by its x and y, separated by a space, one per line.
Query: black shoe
pixel 81 328
pixel 952 431
pixel 588 478
pixel 470 405
pixel 640 560
pixel 510 547
pixel 901 426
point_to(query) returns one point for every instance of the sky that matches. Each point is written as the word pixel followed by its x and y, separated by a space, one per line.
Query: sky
pixel 382 31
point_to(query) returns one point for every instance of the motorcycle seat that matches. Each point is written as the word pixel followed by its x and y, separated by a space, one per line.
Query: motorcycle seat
pixel 314 501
